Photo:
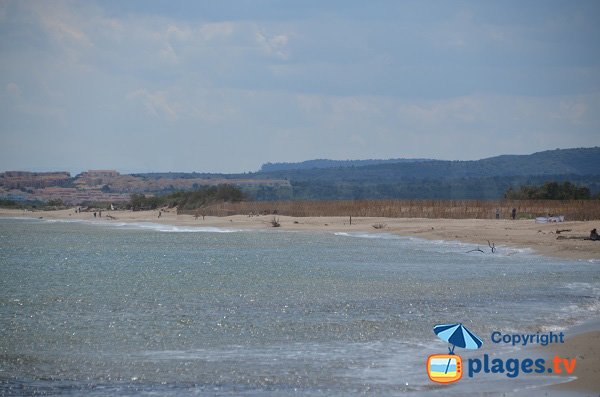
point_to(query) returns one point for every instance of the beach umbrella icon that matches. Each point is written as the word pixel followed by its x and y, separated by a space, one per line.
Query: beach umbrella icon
pixel 457 335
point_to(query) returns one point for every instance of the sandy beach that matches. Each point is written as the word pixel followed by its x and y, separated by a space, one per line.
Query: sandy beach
pixel 584 347
pixel 542 238
pixel 562 240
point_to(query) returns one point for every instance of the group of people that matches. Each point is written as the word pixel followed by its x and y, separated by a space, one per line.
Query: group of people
pixel 513 213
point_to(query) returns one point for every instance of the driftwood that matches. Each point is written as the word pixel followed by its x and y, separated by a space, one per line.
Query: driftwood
pixel 562 230
pixel 491 245
pixel 572 238
pixel 476 249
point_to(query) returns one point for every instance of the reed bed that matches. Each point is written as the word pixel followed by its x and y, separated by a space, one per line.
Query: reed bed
pixel 451 209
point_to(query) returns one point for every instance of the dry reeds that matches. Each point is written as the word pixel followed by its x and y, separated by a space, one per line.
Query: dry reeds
pixel 451 209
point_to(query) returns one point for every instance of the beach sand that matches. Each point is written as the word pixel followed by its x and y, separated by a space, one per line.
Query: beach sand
pixel 542 238
pixel 585 348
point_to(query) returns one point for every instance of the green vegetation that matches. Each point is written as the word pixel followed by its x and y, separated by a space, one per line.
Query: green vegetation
pixel 418 178
pixel 55 203
pixel 549 191
pixel 31 204
pixel 490 188
pixel 188 200
pixel 488 179
pixel 103 205
pixel 435 179
pixel 581 162
pixel 9 204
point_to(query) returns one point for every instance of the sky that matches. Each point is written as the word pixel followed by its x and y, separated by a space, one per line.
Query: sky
pixel 224 86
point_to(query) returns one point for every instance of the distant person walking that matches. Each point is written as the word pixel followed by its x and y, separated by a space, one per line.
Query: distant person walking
pixel 497 213
pixel 514 213
pixel 94 214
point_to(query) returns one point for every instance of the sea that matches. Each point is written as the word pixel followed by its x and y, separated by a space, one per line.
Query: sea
pixel 107 308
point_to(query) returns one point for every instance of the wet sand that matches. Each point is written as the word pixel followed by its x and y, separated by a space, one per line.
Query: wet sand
pixel 563 240
pixel 585 348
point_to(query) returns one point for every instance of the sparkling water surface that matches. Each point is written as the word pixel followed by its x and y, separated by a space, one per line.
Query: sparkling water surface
pixel 136 309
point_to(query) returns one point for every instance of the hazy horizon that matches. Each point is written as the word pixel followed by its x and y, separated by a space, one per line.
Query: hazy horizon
pixel 121 171
pixel 143 86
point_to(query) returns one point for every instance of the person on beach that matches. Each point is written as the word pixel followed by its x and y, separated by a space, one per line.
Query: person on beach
pixel 94 214
pixel 497 213
pixel 159 213
pixel 514 213
pixel 594 235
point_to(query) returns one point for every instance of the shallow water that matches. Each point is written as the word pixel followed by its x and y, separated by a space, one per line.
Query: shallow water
pixel 101 308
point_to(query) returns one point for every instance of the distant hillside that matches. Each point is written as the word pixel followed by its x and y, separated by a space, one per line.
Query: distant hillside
pixel 324 163
pixel 584 161
pixel 481 179
pixel 328 179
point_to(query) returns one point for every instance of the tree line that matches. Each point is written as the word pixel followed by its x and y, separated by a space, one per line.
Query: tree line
pixel 187 200
pixel 549 191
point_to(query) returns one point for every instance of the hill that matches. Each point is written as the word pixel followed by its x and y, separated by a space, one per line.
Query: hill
pixel 480 179
pixel 584 161
pixel 488 178
pixel 324 163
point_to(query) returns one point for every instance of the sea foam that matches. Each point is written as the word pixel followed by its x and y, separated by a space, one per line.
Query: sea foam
pixel 159 227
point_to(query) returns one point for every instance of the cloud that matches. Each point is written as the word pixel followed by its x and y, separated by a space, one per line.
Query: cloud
pixel 156 103
pixel 450 80
pixel 467 127
pixel 62 24
pixel 274 45
pixel 217 31
pixel 573 110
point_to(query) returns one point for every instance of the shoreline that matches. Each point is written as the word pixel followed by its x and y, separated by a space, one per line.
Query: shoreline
pixel 541 238
pixel 582 342
pixel 583 345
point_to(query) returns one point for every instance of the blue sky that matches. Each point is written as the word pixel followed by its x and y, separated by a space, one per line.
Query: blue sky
pixel 228 85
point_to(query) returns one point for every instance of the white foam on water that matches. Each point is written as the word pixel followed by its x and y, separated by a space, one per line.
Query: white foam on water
pixel 19 217
pixel 461 247
pixel 588 288
pixel 383 236
pixel 165 228
pixel 159 227
pixel 455 246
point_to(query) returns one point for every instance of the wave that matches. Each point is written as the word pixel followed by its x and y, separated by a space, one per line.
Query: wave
pixel 165 228
pixel 159 227
pixel 443 246
pixel 383 236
